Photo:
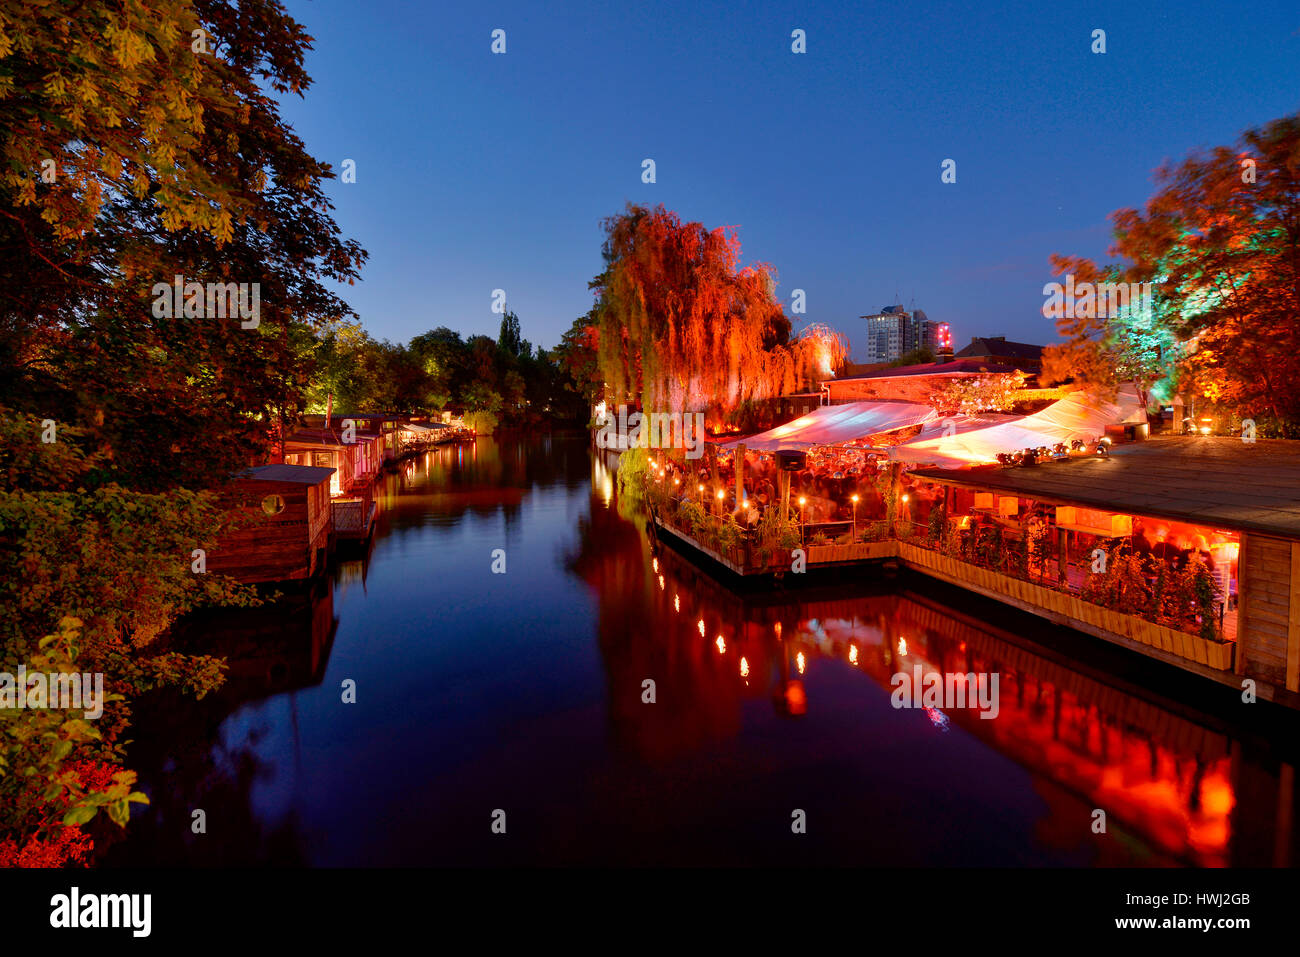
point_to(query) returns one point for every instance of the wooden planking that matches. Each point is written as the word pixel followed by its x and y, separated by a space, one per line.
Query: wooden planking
pixel 1293 624
pixel 279 547
pixel 1268 606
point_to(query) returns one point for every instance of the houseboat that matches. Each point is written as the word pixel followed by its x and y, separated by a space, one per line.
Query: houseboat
pixel 286 535
pixel 357 457
pixel 387 425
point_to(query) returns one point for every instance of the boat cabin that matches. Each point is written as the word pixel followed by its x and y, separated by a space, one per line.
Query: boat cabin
pixel 286 534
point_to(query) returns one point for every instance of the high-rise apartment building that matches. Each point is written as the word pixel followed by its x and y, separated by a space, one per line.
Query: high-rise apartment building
pixel 893 332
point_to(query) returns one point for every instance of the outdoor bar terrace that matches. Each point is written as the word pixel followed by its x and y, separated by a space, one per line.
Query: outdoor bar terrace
pixel 1186 549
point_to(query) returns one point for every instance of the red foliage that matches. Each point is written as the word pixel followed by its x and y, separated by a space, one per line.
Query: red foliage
pixel 67 846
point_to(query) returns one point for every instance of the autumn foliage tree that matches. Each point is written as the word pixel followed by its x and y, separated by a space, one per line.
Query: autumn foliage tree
pixel 679 327
pixel 1220 242
pixel 139 140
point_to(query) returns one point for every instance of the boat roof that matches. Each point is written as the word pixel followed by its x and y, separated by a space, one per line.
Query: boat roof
pixel 327 437
pixel 301 474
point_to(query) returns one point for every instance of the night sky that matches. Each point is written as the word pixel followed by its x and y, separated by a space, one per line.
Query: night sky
pixel 478 171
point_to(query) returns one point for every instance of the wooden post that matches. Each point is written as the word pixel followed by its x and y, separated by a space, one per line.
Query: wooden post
pixel 740 474
pixel 1293 624
pixel 785 495
pixel 895 490
pixel 1239 651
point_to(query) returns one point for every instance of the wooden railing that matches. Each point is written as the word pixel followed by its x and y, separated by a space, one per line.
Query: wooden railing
pixel 1069 606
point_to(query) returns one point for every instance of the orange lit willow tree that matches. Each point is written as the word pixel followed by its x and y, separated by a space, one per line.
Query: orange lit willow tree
pixel 679 328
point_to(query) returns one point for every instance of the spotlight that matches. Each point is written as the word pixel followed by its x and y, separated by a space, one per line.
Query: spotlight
pixel 1029 457
pixel 1078 445
pixel 1102 448
pixel 1005 460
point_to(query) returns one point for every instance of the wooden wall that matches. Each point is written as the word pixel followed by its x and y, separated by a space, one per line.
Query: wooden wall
pixel 1269 626
pixel 282 547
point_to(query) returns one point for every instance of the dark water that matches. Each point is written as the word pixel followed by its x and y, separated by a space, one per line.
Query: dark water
pixel 523 692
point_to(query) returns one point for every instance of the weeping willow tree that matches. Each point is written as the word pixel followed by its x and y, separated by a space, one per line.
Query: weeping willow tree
pixel 680 328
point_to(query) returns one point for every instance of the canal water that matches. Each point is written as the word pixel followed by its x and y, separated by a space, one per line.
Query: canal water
pixel 519 697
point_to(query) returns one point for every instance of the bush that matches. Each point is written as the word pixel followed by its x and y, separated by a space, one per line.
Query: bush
pixel 482 422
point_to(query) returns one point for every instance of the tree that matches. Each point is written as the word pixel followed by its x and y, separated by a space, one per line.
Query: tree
pixel 139 141
pixel 679 327
pixel 914 358
pixel 509 341
pixel 166 157
pixel 578 356
pixel 993 392
pixel 1220 240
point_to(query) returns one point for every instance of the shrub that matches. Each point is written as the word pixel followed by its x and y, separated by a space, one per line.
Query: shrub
pixel 481 422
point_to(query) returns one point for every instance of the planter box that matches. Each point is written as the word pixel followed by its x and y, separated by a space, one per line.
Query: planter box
pixel 858 552
pixel 1212 654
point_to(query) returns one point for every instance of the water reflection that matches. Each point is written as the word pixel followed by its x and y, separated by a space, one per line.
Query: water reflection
pixel 528 691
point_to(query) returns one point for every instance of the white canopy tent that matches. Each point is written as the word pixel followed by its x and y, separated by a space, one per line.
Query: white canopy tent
pixel 1074 417
pixel 837 425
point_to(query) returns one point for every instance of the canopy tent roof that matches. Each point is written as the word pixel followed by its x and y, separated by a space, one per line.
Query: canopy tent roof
pixel 1074 417
pixel 837 425
pixel 424 427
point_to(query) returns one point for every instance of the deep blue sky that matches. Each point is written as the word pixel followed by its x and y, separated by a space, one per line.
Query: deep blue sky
pixel 478 171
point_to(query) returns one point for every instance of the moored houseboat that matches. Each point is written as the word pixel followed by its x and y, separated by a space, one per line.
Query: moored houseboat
pixel 357 463
pixel 287 528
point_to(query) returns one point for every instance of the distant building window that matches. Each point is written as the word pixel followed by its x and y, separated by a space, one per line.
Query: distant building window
pixel 273 505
